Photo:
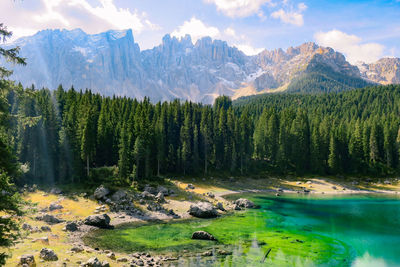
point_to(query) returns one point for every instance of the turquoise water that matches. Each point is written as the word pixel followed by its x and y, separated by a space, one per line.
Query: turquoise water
pixel 368 224
pixel 300 230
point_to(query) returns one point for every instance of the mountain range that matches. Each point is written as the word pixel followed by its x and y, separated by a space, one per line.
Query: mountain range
pixel 111 63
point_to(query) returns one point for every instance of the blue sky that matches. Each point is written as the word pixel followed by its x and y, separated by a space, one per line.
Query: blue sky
pixel 362 30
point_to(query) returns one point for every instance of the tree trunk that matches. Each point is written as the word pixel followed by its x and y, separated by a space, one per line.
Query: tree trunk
pixel 87 165
pixel 158 167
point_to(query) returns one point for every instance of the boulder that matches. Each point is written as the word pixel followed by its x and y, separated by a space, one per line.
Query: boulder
pixel 203 235
pixel 55 191
pixel 27 260
pixel 244 203
pixel 160 197
pixel 26 227
pixel 101 192
pixel 150 189
pixel 163 190
pixel 45 228
pixel 95 262
pixel 203 210
pixel 48 255
pixel 111 255
pixel 100 221
pixel 220 206
pixel 123 259
pixel 210 194
pixel 190 186
pixel 71 226
pixel 117 196
pixel 147 195
pixel 77 249
pixel 55 206
pixel 50 219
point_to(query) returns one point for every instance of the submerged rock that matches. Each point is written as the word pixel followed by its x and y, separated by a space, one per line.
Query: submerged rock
pixel 101 221
pixel 203 235
pixel 48 255
pixel 244 203
pixel 203 210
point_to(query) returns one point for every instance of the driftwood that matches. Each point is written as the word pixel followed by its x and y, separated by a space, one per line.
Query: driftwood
pixel 266 255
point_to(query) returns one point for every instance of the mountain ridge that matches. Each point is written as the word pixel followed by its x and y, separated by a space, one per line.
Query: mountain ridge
pixel 112 63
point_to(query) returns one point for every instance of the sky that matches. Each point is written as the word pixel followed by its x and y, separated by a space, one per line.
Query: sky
pixel 362 30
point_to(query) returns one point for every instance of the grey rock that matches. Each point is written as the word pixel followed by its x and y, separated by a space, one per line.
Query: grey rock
pixel 147 195
pixel 111 255
pixel 27 260
pixel 203 210
pixel 163 190
pixel 77 249
pixel 160 197
pixel 100 221
pixel 71 226
pixel 202 235
pixel 95 262
pixel 48 255
pixel 45 228
pixel 117 196
pixel 55 206
pixel 210 194
pixel 55 191
pixel 244 203
pixel 50 219
pixel 220 206
pixel 190 186
pixel 101 192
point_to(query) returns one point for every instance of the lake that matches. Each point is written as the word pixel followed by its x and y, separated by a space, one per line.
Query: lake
pixel 299 230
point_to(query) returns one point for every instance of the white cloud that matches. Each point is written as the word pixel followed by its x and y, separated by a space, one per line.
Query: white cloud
pixel 294 17
pixel 351 46
pixel 248 49
pixel 196 28
pixel 92 16
pixel 230 32
pixel 239 8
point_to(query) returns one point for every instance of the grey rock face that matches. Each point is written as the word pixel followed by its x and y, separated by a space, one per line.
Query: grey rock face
pixel 100 221
pixel 203 210
pixel 112 63
pixel 50 219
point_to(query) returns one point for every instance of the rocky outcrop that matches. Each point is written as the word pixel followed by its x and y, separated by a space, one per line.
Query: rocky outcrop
pixel 203 235
pixel 384 71
pixel 48 255
pixel 100 221
pixel 203 210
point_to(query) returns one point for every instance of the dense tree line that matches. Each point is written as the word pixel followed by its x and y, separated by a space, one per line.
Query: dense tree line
pixel 69 134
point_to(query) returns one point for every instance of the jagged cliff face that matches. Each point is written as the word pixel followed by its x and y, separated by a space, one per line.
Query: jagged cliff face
pixel 384 71
pixel 111 63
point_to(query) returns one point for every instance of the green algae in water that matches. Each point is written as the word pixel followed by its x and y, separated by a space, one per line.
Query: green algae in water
pixel 300 230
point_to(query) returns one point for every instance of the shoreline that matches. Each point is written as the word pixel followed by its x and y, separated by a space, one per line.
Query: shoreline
pixel 77 209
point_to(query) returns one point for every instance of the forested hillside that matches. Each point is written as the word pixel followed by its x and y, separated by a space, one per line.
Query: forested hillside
pixel 69 136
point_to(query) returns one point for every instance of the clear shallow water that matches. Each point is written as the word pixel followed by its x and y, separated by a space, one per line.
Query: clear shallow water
pixel 300 230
